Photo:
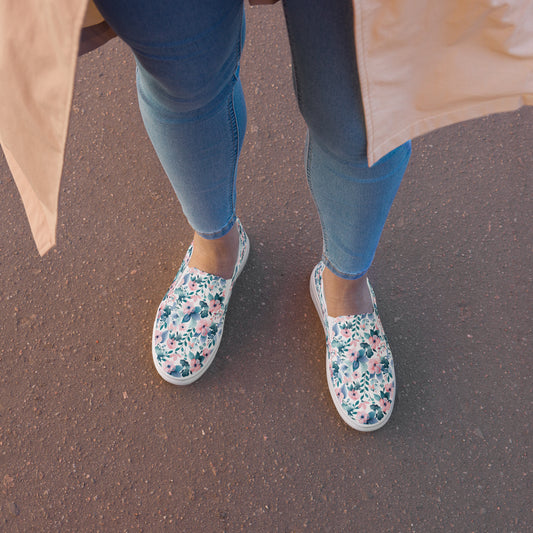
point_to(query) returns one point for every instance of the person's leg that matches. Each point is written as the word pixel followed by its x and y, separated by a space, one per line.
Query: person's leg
pixel 353 199
pixel 187 54
pixel 353 202
pixel 191 100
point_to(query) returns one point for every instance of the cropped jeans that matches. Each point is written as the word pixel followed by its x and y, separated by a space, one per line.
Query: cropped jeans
pixel 191 100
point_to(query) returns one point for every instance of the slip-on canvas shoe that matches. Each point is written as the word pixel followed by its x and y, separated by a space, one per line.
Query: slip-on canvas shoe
pixel 359 365
pixel 190 319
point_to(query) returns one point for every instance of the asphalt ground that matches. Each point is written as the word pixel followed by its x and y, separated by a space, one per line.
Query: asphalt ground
pixel 91 439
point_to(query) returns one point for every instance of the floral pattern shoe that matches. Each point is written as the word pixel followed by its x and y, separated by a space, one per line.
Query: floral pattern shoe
pixel 359 366
pixel 190 319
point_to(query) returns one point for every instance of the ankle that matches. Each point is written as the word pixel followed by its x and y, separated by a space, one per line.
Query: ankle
pixel 216 256
pixel 346 296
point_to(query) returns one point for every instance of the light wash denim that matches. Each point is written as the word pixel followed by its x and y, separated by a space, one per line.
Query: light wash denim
pixel 192 104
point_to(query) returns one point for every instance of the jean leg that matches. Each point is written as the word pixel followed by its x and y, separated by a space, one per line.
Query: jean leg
pixel 190 96
pixel 353 199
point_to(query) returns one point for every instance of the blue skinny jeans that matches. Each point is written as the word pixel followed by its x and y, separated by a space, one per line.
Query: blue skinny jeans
pixel 191 100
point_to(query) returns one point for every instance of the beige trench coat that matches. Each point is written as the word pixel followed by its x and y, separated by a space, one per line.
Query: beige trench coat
pixel 422 65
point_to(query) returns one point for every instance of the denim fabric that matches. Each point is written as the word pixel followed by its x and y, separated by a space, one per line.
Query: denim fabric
pixel 353 200
pixel 191 100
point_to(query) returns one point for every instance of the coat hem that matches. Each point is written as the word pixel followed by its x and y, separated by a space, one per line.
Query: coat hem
pixel 431 123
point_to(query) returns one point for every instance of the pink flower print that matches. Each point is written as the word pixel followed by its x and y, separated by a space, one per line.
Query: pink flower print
pixel 182 327
pixel 214 306
pixel 374 342
pixel 193 286
pixel 354 394
pixel 188 307
pixel 374 367
pixel 356 375
pixel 352 352
pixel 168 367
pixel 388 387
pixel 171 343
pixel 158 337
pixel 195 365
pixel 361 417
pixel 203 327
pixel 339 394
pixel 206 352
pixel 345 332
pixel 385 404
